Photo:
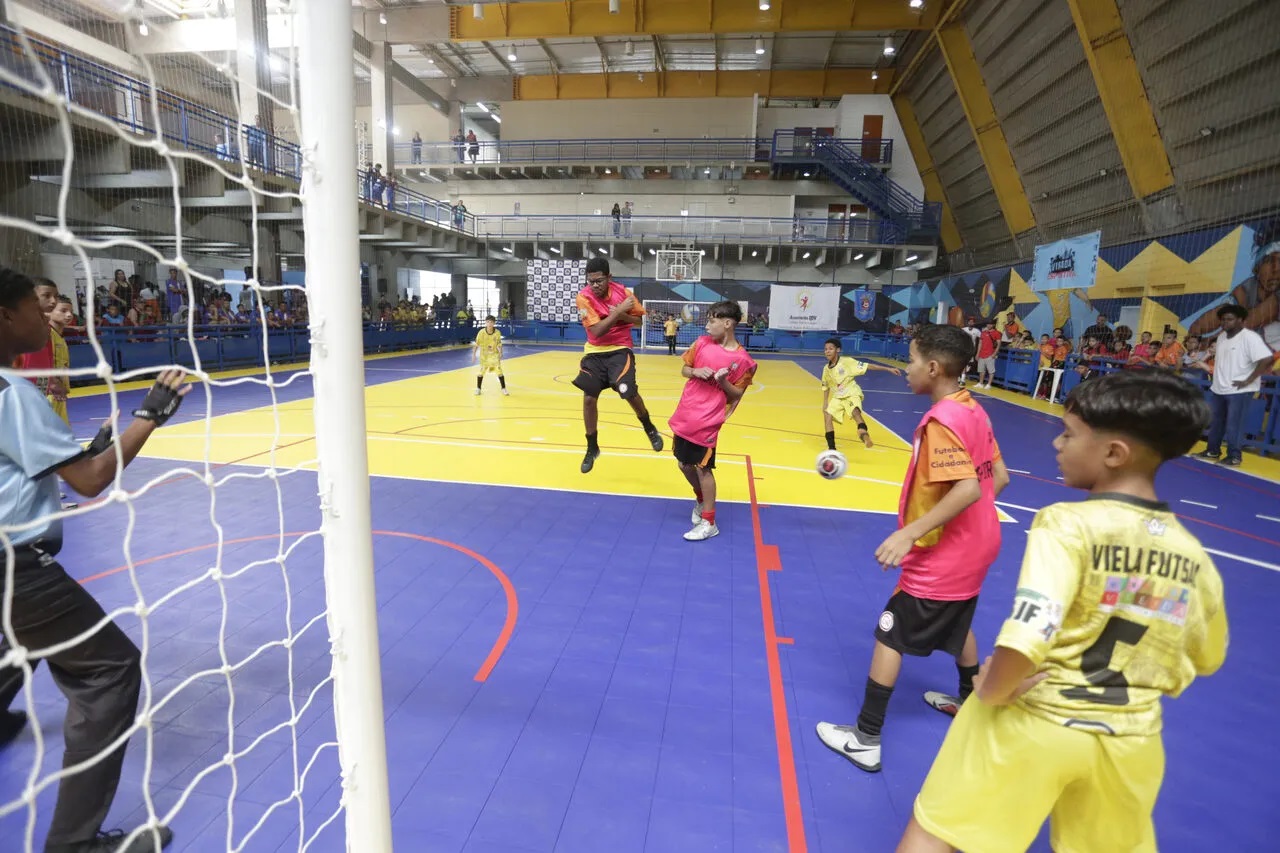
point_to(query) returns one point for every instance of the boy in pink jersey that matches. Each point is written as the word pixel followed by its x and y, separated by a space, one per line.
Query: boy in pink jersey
pixel 718 371
pixel 608 311
pixel 947 538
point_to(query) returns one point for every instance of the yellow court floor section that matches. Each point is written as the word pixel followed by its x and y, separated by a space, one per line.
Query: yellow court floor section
pixel 433 427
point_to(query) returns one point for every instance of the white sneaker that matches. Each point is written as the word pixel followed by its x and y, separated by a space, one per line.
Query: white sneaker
pixel 944 702
pixel 476 392
pixel 506 393
pixel 697 514
pixel 862 749
pixel 702 530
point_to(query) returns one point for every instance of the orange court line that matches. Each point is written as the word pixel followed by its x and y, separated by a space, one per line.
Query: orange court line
pixel 499 645
pixel 767 560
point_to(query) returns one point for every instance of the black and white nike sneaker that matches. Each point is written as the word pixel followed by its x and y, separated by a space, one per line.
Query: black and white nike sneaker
pixel 857 746
pixel 944 702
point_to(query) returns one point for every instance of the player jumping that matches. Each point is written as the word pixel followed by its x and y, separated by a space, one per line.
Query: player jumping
pixel 487 350
pixel 608 310
pixel 841 394
pixel 1117 606
pixel 718 371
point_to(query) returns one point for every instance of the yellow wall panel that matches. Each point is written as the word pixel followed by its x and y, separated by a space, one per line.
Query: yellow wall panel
pixel 537 88
pixel 631 86
pixel 581 86
pixel 742 84
pixel 794 84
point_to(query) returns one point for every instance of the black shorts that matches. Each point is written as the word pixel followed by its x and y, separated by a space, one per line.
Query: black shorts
pixel 922 626
pixel 614 369
pixel 688 453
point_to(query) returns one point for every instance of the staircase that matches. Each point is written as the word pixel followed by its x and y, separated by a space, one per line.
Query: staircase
pixel 902 216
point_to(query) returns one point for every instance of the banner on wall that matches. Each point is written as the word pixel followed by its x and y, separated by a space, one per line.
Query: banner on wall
pixel 864 305
pixel 1066 264
pixel 804 309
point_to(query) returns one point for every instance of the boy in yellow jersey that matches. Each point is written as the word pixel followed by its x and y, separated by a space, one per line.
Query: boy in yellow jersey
pixel 58 320
pixel 1117 606
pixel 488 351
pixel 669 328
pixel 841 394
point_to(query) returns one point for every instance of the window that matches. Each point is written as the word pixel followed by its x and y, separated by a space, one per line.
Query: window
pixel 482 293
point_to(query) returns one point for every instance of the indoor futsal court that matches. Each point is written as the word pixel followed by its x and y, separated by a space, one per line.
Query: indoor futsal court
pixel 561 670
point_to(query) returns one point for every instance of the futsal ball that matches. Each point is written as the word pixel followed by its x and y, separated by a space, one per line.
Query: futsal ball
pixel 688 314
pixel 832 464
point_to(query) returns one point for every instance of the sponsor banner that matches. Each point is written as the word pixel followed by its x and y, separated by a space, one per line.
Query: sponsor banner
pixel 1067 264
pixel 804 309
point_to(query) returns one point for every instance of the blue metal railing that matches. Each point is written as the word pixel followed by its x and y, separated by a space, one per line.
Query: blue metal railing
pixel 743 151
pixel 843 161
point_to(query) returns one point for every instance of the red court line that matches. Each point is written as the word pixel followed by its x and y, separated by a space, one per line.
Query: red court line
pixel 499 645
pixel 767 560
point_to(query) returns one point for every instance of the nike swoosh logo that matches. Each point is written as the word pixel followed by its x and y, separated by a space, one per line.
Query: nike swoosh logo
pixel 857 749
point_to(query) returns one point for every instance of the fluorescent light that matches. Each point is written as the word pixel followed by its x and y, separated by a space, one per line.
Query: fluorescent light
pixel 806 174
pixel 553 249
pixel 911 258
pixel 889 49
pixel 684 213
pixel 805 255
pixel 875 75
pixel 143 30
pixel 759 47
pixel 482 106
pixel 382 18
pixel 602 250
pixel 511 54
pixel 764 5
pixel 653 251
pixel 858 256
pixel 608 171
pixel 395 131
pixel 496 118
pixel 613 6
pixel 703 252
pixel 477 11
pixel 916 4
pixel 510 250
pixel 754 253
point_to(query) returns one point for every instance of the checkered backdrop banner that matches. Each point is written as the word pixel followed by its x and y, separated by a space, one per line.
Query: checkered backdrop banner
pixel 552 287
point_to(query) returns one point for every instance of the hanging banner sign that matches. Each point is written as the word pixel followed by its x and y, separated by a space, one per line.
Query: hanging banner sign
pixel 1067 264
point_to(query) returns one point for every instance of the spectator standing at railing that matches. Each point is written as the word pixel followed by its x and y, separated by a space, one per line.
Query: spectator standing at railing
pixel 460 145
pixel 626 220
pixel 473 145
pixel 1241 360
pixel 379 185
pixel 221 149
pixel 392 185
pixel 118 290
pixel 617 219
pixel 175 293
pixel 256 138
pixel 416 147
pixel 459 215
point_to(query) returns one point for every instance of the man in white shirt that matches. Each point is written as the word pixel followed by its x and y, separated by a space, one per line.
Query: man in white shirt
pixel 1238 365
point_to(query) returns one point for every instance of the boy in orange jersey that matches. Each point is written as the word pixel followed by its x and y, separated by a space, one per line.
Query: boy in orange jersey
pixel 1117 606
pixel 1170 354
pixel 948 536
pixel 608 311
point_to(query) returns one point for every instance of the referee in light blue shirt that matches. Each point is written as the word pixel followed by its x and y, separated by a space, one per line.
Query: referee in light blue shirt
pixel 100 676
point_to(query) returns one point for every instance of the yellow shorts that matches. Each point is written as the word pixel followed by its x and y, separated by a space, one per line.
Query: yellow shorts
pixel 490 364
pixel 1002 771
pixel 842 407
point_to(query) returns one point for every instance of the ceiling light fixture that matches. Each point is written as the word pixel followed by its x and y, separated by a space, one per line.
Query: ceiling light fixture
pixel 142 29
pixel 916 4
pixel 613 6
pixel 759 47
pixel 805 255
pixel 653 251
pixel 602 250
pixel 477 11
pixel 764 5
pixel 806 174
pixel 553 249
pixel 875 75
pixel 858 256
pixel 754 253
pixel 382 18
pixel 482 106
pixel 889 49
pixel 511 53
pixel 911 258
pixel 1206 131
pixel 496 118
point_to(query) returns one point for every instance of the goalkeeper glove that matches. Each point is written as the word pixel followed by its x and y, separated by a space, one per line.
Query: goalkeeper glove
pixel 159 404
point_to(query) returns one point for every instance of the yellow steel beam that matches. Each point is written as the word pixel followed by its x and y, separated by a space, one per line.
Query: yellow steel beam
pixel 952 11
pixel 933 190
pixel 978 109
pixel 1124 98
pixel 819 83
pixel 587 18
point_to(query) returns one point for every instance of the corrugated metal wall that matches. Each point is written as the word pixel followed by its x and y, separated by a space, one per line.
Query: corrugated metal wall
pixel 1210 70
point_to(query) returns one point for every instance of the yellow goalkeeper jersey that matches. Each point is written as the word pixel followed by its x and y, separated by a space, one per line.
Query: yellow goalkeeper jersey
pixel 1120 605
pixel 841 380
pixel 490 345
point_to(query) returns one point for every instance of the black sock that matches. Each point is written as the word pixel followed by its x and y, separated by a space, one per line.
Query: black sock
pixel 592 446
pixel 646 423
pixel 831 439
pixel 479 380
pixel 966 679
pixel 875 702
pixel 502 380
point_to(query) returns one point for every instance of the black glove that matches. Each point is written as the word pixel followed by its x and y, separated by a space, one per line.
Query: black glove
pixel 102 440
pixel 159 404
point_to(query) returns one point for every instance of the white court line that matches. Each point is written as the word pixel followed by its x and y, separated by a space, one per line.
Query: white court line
pixel 1260 563
pixel 1196 503
pixel 1017 471
pixel 1016 506
pixel 1267 517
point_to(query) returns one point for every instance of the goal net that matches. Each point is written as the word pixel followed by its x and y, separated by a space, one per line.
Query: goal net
pixel 228 674
pixel 690 319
